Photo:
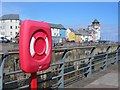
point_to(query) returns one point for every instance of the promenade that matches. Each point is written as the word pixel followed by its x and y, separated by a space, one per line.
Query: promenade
pixel 104 79
pixel 78 67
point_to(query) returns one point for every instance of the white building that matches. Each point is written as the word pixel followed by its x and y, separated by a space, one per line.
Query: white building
pixel 84 34
pixel 58 33
pixel 55 29
pixel 95 30
pixel 68 31
pixel 9 25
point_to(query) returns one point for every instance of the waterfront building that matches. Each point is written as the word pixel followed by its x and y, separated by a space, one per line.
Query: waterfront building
pixel 96 26
pixel 58 33
pixel 9 25
pixel 92 34
pixel 71 37
pixel 67 32
pixel 78 37
pixel 95 30
pixel 84 34
pixel 70 34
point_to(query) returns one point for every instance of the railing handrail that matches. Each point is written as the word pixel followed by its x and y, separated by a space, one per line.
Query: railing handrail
pixel 64 61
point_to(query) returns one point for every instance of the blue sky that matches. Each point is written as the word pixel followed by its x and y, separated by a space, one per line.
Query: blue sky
pixel 75 15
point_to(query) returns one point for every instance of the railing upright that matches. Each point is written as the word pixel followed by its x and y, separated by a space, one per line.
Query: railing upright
pixel 117 54
pixel 2 61
pixel 61 82
pixel 105 64
pixel 90 62
pixel 61 72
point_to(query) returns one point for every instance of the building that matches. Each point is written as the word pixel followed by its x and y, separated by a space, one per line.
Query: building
pixel 85 35
pixel 71 37
pixel 70 34
pixel 9 25
pixel 78 37
pixel 58 33
pixel 67 32
pixel 92 34
pixel 95 30
pixel 96 26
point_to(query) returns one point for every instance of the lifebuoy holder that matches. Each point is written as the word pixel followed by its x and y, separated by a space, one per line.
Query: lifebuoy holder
pixel 35 46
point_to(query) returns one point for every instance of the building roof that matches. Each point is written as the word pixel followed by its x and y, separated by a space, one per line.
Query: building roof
pixel 59 26
pixel 91 30
pixel 84 32
pixel 72 30
pixel 10 17
pixel 95 20
pixel 77 33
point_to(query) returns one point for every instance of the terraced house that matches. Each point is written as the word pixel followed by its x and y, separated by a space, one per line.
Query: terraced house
pixel 70 34
pixel 58 33
pixel 9 25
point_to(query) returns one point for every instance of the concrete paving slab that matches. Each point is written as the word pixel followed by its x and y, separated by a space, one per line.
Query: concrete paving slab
pixel 109 80
pixel 99 86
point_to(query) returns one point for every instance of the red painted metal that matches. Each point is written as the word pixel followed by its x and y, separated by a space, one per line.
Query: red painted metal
pixel 35 46
pixel 33 83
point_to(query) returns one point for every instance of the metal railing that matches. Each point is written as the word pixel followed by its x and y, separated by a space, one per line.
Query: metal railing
pixel 62 72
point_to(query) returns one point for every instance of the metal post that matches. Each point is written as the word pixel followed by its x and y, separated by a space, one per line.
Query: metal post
pixel 90 62
pixel 116 60
pixel 61 79
pixel 116 55
pixel 90 68
pixel 4 57
pixel 34 81
pixel 106 58
pixel 61 72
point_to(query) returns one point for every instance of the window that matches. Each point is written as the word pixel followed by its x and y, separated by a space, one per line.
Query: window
pixel 2 33
pixel 10 33
pixel 15 27
pixel 0 27
pixel 2 21
pixel 10 27
pixel 15 33
pixel 3 27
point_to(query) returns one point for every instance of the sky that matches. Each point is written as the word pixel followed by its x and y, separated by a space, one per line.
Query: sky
pixel 70 14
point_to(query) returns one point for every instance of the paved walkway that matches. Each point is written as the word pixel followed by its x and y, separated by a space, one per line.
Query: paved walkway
pixel 109 80
pixel 103 79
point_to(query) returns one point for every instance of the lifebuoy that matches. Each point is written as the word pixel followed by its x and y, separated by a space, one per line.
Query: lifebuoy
pixel 39 45
pixel 35 46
